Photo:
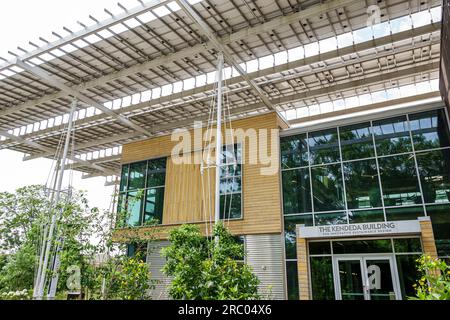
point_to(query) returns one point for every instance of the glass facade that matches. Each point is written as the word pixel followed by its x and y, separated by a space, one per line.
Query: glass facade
pixel 389 169
pixel 141 197
pixel 405 251
pixel 231 182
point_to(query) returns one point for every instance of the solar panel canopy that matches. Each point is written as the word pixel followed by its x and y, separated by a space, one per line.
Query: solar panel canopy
pixel 151 68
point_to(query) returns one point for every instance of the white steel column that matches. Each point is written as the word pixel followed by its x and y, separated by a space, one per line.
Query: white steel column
pixel 42 277
pixel 218 138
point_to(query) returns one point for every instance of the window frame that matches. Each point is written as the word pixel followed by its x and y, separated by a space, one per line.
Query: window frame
pixel 125 194
pixel 239 150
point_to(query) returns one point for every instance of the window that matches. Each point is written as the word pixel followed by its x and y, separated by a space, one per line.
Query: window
pixel 429 130
pixel 290 232
pixel 361 184
pixel 322 283
pixel 440 219
pixel 294 151
pixel 356 141
pixel 392 136
pixel 231 183
pixel 434 170
pixel 141 198
pixel 138 250
pixel 327 188
pixel 323 146
pixel 383 170
pixel 296 191
pixel 399 180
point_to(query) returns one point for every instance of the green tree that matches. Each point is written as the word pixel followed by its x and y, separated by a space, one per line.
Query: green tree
pixel 23 217
pixel 129 278
pixel 203 269
pixel 434 283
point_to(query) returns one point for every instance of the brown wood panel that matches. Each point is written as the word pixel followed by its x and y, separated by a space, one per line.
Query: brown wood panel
pixel 184 201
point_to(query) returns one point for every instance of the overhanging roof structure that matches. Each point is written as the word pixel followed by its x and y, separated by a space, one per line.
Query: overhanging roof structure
pixel 150 69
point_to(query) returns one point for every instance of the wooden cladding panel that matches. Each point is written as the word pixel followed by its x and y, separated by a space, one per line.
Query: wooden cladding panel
pixel 183 194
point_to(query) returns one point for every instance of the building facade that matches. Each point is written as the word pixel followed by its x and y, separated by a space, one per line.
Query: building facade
pixel 352 204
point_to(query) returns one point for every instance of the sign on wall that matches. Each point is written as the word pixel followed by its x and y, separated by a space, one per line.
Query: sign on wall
pixel 359 229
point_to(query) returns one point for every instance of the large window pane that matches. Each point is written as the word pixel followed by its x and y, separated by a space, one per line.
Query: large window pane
pixel 154 205
pixel 296 191
pixel 323 146
pixel 229 185
pixel 290 232
pixel 404 213
pixel 356 141
pixel 429 129
pixel 292 280
pixel 322 284
pixel 399 180
pixel 362 246
pixel 327 188
pixel 124 178
pixel 156 172
pixel 230 170
pixel 137 175
pixel 392 136
pixel 294 151
pixel 121 210
pixel 434 169
pixel 407 274
pixel 440 219
pixel 330 218
pixel 137 250
pixel 407 245
pixel 230 206
pixel 319 247
pixel 361 184
pixel 361 216
pixel 231 161
pixel 133 208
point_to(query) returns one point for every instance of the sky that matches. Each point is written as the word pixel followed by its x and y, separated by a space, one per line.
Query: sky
pixel 27 20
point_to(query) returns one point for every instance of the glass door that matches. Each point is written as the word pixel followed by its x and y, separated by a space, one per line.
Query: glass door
pixel 365 278
pixel 351 279
pixel 380 283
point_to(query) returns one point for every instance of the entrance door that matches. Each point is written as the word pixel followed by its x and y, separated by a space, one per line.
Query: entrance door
pixel 365 278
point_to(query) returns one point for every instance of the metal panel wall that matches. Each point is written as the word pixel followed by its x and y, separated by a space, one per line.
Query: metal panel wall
pixel 265 256
pixel 157 262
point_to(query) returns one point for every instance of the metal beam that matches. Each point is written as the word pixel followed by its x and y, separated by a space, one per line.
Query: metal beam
pixel 190 51
pixel 340 86
pixel 88 144
pixel 95 161
pixel 372 43
pixel 368 107
pixel 128 14
pixel 44 75
pixel 206 30
pixel 49 150
pixel 226 40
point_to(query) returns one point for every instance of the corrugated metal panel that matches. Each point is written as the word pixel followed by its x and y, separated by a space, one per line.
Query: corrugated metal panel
pixel 265 256
pixel 157 262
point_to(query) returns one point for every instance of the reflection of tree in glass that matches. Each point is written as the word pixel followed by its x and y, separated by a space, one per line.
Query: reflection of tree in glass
pixel 356 142
pixel 322 278
pixel 327 188
pixel 296 191
pixel 434 175
pixel 324 147
pixel 399 180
